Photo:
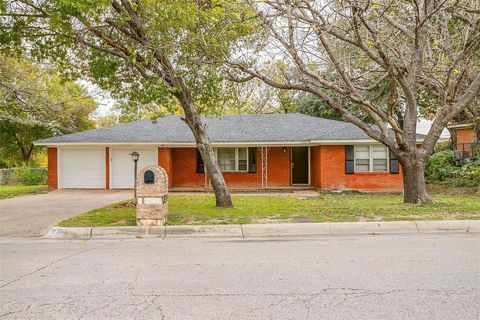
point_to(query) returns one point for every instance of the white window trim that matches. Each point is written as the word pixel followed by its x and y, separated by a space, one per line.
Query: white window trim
pixel 370 158
pixel 236 159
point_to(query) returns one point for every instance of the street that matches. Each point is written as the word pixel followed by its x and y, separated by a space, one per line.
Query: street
pixel 362 277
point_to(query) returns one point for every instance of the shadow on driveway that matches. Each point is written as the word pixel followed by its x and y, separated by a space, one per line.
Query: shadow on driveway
pixel 32 216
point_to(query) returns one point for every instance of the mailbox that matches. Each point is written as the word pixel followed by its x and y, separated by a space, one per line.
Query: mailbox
pixel 149 176
pixel 152 196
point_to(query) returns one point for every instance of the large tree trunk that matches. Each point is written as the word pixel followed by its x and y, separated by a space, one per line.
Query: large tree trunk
pixel 222 196
pixel 413 170
pixel 193 120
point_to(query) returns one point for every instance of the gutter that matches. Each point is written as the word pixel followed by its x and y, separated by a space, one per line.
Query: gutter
pixel 216 144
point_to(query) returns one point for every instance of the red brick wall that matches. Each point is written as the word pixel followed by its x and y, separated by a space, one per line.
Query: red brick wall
pixel 184 168
pixel 278 167
pixel 327 171
pixel 52 169
pixel 465 136
pixel 332 168
pixel 246 179
pixel 165 161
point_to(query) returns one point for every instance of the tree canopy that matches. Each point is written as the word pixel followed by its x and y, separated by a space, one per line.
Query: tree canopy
pixel 36 103
pixel 375 60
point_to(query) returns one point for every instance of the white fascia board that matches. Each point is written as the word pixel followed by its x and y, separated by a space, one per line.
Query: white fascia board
pixel 217 144
pixel 73 144
pixel 345 142
pixel 178 144
pixel 464 125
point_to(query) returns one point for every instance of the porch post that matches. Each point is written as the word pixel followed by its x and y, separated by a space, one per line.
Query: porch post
pixel 264 155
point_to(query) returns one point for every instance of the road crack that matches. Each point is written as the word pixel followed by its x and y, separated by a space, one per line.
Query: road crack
pixel 48 265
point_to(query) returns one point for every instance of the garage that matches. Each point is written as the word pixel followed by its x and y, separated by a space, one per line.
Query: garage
pixel 81 168
pixel 121 165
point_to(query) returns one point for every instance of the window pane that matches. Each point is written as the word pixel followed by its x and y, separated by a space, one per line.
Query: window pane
pixel 362 152
pixel 362 165
pixel 379 158
pixel 242 165
pixel 242 153
pixel 380 165
pixel 226 159
pixel 379 152
pixel 242 159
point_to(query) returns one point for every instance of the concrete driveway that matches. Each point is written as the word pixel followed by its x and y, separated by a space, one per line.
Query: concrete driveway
pixel 32 216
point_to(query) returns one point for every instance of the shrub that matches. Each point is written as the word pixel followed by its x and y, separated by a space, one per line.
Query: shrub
pixel 440 166
pixel 470 170
pixel 460 182
pixel 29 176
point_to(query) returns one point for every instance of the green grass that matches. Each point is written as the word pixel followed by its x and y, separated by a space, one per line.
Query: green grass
pixel 452 203
pixel 15 191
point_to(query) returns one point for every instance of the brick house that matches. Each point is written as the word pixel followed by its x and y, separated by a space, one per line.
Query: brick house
pixel 464 142
pixel 266 151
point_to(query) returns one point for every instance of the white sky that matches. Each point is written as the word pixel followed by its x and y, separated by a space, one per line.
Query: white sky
pixel 424 125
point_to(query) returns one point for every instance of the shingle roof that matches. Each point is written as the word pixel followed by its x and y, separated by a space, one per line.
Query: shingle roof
pixel 293 127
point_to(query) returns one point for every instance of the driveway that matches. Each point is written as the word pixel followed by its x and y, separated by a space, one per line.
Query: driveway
pixel 32 216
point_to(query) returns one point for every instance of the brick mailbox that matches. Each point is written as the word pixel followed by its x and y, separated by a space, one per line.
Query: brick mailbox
pixel 152 196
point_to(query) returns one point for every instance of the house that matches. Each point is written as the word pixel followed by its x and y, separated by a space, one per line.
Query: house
pixel 264 151
pixel 464 142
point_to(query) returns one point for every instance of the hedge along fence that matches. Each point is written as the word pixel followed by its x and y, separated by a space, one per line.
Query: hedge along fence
pixel 23 176
pixel 440 168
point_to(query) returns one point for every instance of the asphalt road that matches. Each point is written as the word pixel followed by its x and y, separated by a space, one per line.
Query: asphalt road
pixel 369 277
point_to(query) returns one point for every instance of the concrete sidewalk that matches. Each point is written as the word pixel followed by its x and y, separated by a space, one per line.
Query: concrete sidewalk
pixel 270 230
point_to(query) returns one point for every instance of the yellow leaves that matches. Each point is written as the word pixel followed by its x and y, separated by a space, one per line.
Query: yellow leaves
pixel 435 43
pixel 456 72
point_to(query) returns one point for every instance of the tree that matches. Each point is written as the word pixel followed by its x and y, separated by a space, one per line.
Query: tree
pixel 150 51
pixel 343 50
pixel 35 103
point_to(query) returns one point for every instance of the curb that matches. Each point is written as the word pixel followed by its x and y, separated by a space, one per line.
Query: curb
pixel 269 230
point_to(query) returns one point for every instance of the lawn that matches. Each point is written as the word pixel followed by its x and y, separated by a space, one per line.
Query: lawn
pixel 15 191
pixel 451 203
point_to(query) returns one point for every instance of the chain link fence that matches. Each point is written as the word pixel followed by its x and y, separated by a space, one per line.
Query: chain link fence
pixel 23 176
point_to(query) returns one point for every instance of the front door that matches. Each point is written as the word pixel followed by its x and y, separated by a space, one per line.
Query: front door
pixel 300 165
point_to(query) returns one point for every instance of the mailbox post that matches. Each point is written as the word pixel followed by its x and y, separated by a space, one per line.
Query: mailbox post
pixel 152 196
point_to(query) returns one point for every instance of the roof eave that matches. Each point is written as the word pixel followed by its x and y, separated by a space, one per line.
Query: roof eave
pixel 214 144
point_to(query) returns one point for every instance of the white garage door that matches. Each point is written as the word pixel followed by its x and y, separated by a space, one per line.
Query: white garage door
pixel 82 168
pixel 122 165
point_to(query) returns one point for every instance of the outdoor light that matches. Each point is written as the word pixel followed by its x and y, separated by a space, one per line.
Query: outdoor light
pixel 284 149
pixel 135 156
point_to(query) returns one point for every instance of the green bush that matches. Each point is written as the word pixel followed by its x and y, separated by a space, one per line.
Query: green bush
pixel 459 182
pixel 29 176
pixel 470 171
pixel 440 166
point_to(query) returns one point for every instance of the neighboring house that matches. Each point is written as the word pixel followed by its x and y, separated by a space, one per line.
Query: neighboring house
pixel 464 142
pixel 265 151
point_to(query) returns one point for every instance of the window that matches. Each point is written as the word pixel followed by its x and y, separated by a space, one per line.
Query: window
pixel 379 158
pixel 232 159
pixel 372 158
pixel 362 158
